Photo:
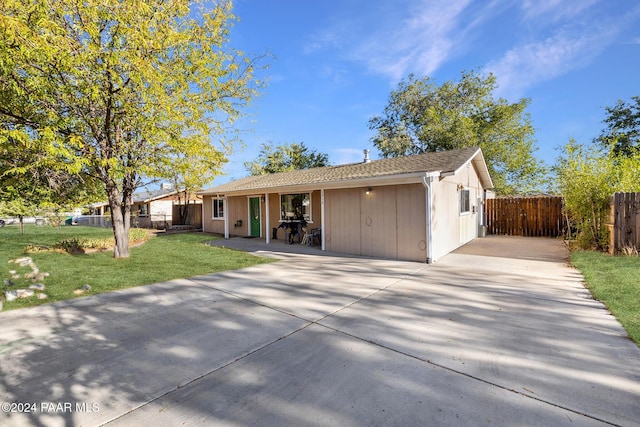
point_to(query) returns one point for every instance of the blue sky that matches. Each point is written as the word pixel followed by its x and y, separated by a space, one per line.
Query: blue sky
pixel 335 62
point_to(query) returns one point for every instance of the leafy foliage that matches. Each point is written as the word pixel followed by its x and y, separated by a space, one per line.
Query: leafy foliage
pixel 622 134
pixel 30 185
pixel 628 173
pixel 284 158
pixel 119 91
pixel 586 179
pixel 423 117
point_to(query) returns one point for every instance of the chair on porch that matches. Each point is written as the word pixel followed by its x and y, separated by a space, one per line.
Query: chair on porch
pixel 314 233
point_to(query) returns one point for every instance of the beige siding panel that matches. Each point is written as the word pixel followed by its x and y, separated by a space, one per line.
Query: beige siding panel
pixel 342 210
pixel 388 223
pixel 207 223
pixel 211 225
pixel 238 209
pixel 316 209
pixel 378 222
pixel 411 208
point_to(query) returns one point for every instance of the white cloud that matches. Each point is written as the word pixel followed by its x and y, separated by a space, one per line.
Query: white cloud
pixel 551 38
pixel 397 38
pixel 422 42
pixel 567 49
pixel 555 10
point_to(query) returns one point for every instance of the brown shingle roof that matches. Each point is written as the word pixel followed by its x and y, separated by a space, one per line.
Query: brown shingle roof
pixel 444 162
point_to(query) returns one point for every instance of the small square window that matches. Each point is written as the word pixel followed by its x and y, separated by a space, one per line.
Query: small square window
pixel 218 208
pixel 465 205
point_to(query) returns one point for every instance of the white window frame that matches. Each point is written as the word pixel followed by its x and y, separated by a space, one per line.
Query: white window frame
pixel 462 203
pixel 309 211
pixel 217 211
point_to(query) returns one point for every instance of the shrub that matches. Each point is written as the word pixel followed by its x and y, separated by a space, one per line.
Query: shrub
pixel 76 245
pixel 586 179
pixel 72 245
pixel 138 235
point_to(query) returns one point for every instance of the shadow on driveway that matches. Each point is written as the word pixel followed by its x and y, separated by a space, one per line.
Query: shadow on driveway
pixel 329 340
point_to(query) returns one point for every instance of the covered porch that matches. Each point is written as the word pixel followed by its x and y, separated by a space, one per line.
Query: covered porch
pixel 291 217
pixel 275 249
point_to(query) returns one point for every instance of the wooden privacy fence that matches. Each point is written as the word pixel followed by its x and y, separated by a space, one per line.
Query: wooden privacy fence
pixel 624 222
pixel 193 214
pixel 525 216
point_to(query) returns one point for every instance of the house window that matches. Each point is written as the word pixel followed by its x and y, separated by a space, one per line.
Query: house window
pixel 218 209
pixel 144 209
pixel 465 205
pixel 295 207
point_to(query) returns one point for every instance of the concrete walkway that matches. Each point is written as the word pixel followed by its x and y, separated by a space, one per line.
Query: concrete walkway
pixel 501 332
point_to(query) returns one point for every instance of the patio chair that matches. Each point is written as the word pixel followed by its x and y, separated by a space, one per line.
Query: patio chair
pixel 315 233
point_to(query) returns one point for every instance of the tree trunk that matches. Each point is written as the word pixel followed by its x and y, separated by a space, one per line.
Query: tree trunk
pixel 120 211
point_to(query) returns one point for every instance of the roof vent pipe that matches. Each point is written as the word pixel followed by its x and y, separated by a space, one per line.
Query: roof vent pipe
pixel 366 156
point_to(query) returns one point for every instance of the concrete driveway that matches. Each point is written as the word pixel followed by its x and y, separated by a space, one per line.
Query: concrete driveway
pixel 500 332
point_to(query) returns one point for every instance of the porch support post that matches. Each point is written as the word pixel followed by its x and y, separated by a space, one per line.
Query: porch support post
pixel 267 219
pixel 226 218
pixel 322 227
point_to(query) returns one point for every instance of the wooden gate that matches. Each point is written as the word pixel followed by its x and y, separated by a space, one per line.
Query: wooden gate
pixel 525 216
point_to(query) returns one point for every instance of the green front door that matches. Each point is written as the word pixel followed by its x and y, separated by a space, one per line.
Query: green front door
pixel 254 212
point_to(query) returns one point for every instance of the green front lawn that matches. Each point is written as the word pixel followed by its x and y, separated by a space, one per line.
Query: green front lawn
pixel 161 258
pixel 614 280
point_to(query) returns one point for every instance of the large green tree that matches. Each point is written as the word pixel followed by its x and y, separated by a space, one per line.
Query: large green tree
pixel 622 134
pixel 422 116
pixel 121 90
pixel 284 158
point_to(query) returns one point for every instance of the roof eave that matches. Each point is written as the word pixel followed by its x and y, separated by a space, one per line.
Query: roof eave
pixel 477 159
pixel 375 181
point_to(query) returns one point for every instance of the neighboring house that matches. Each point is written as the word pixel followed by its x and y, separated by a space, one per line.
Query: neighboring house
pixel 415 208
pixel 154 209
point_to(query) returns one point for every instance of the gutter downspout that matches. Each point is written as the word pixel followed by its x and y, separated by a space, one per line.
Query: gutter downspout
pixel 427 180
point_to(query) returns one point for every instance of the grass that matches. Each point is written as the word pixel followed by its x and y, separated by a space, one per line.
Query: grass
pixel 614 280
pixel 161 258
